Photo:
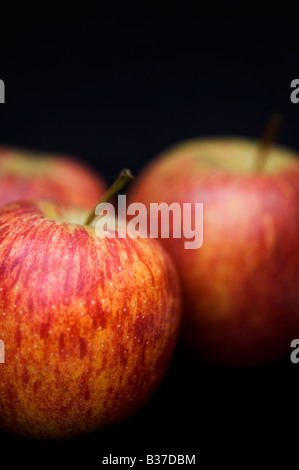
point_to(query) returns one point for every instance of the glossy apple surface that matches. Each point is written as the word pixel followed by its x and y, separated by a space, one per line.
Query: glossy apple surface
pixel 89 324
pixel 241 288
pixel 33 175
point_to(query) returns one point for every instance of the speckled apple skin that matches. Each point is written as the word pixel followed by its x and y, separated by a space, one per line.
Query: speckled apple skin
pixel 241 288
pixel 34 175
pixel 89 324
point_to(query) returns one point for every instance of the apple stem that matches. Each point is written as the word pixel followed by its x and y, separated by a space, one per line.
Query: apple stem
pixel 268 138
pixel 124 177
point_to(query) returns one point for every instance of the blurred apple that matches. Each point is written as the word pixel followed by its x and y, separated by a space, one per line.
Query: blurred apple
pixel 31 175
pixel 241 288
pixel 89 323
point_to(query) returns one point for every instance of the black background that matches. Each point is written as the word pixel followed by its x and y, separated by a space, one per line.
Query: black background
pixel 115 85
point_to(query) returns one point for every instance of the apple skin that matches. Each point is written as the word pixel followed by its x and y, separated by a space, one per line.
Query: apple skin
pixel 89 324
pixel 36 175
pixel 241 288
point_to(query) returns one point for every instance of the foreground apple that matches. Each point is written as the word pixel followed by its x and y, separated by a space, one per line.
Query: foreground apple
pixel 241 288
pixel 31 175
pixel 89 324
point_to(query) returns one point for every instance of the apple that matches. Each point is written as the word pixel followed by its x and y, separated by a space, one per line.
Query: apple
pixel 33 175
pixel 88 322
pixel 241 288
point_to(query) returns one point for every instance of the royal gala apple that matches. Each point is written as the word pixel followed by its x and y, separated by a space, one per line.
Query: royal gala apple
pixel 241 288
pixel 33 175
pixel 89 323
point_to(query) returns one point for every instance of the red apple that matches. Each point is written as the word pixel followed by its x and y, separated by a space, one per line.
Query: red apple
pixel 88 323
pixel 33 175
pixel 241 288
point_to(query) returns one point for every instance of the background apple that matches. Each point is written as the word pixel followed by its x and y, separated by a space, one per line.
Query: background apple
pixel 241 288
pixel 89 324
pixel 31 175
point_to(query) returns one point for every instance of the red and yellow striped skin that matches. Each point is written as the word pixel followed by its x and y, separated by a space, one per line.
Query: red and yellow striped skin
pixel 89 324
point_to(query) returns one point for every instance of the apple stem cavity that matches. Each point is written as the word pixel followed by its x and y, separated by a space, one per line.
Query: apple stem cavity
pixel 268 138
pixel 124 178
